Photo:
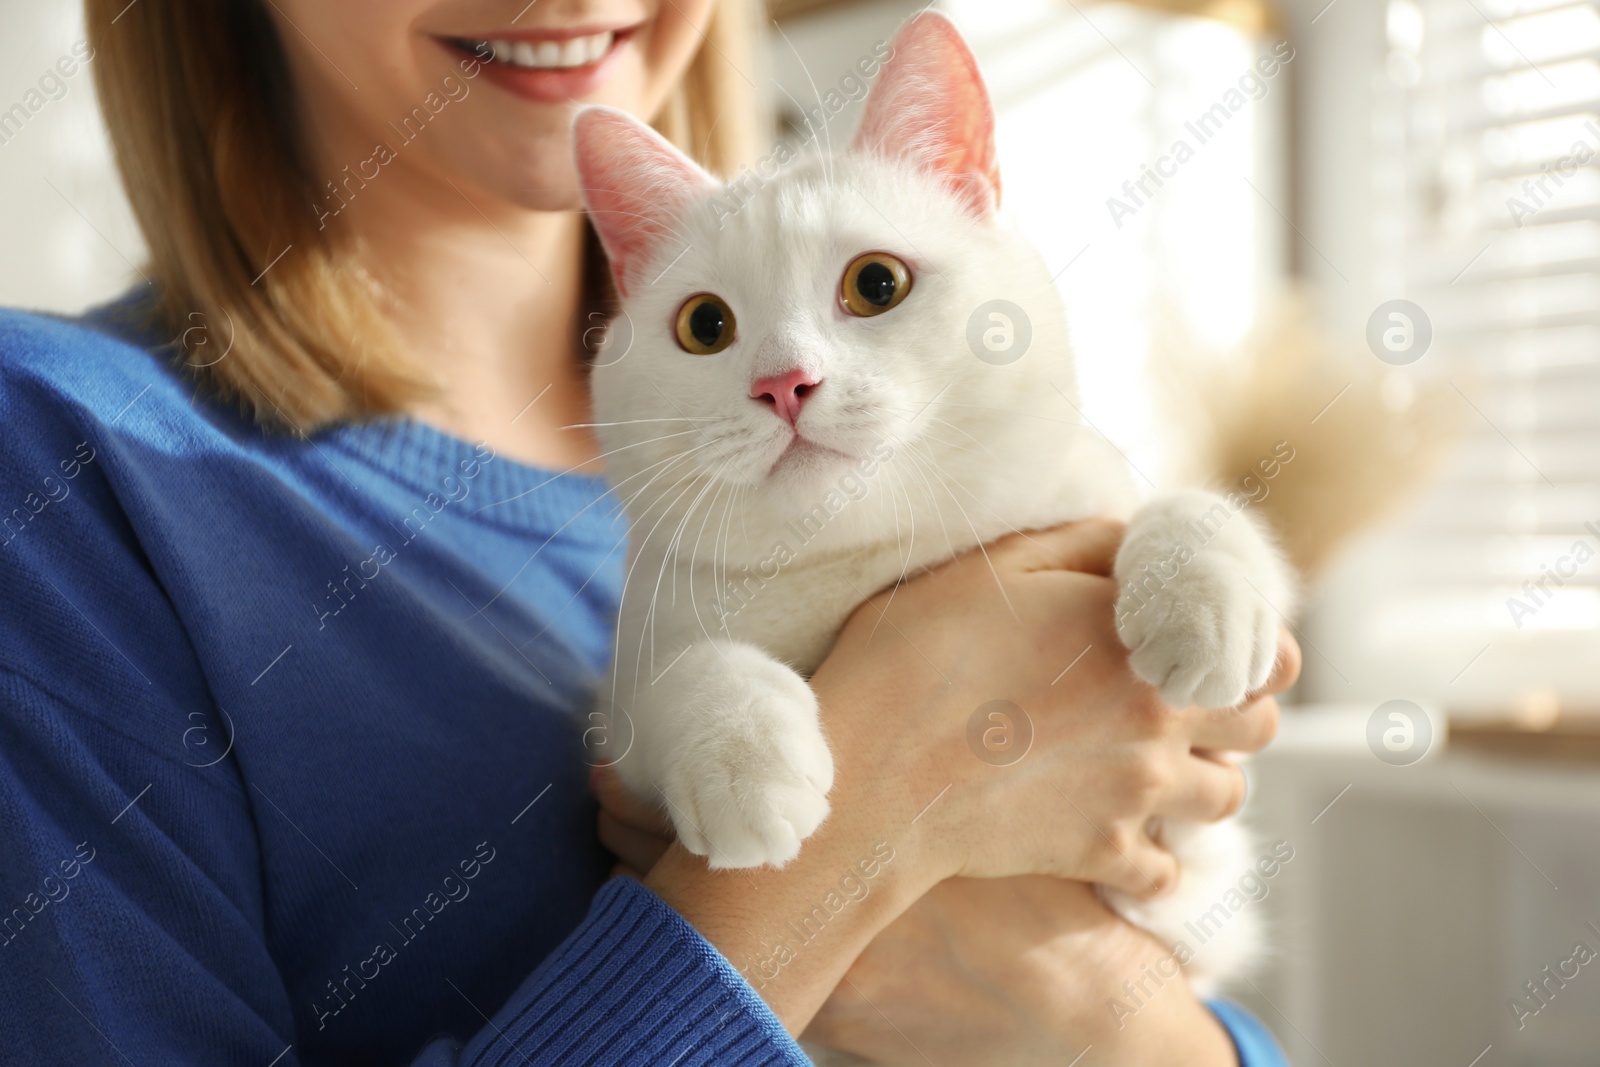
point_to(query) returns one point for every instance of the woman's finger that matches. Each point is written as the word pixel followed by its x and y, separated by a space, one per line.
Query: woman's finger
pixel 1142 869
pixel 1208 788
pixel 1089 546
pixel 1286 670
pixel 1244 729
pixel 626 808
pixel 636 848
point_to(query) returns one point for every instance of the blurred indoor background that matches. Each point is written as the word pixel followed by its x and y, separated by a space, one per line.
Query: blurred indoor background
pixel 1386 254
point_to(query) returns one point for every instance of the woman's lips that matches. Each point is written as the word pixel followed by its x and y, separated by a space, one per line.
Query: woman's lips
pixel 552 66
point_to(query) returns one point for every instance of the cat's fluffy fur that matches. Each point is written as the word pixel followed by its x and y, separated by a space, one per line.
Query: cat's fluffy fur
pixel 926 451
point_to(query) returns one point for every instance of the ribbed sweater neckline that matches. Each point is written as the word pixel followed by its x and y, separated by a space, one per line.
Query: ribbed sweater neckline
pixel 504 491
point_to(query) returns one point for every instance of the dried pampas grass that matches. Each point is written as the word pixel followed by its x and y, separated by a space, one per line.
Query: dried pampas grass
pixel 1365 435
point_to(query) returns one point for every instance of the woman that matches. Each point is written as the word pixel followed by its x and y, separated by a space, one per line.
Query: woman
pixel 310 577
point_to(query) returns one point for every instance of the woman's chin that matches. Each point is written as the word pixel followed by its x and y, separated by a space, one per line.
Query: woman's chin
pixel 536 175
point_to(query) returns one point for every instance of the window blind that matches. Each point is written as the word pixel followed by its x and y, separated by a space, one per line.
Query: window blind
pixel 1494 207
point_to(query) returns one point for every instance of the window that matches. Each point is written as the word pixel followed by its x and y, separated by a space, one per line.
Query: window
pixel 1487 203
pixel 1092 101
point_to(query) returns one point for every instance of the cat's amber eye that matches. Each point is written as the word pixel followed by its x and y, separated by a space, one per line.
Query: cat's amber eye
pixel 874 283
pixel 705 324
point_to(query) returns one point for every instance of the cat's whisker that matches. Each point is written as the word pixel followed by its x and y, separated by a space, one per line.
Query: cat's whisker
pixel 675 457
pixel 669 559
pixel 718 551
pixel 635 422
pixel 694 556
pixel 648 627
pixel 638 555
pixel 905 557
pixel 979 501
pixel 988 508
pixel 737 507
pixel 718 589
pixel 1011 411
pixel 999 586
pixel 827 158
pixel 529 561
pixel 910 450
pixel 579 466
pixel 694 553
pixel 982 445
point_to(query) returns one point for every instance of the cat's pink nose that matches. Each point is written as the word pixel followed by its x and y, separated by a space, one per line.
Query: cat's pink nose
pixel 785 392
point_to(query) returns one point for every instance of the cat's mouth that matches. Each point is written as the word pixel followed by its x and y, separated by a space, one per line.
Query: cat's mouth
pixel 804 455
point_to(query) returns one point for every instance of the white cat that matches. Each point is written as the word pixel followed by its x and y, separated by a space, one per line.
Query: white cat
pixel 800 406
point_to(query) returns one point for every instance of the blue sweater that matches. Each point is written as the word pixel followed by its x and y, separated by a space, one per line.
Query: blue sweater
pixel 291 767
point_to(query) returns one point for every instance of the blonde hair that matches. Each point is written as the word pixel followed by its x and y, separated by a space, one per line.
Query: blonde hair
pixel 196 96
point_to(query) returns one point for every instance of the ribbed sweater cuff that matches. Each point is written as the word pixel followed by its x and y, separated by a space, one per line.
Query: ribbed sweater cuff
pixel 1254 1042
pixel 634 984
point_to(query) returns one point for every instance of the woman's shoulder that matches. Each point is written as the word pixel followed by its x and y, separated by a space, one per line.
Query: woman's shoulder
pixel 80 368
pixel 86 629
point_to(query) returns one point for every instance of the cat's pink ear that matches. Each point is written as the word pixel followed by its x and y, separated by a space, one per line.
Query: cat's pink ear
pixel 634 184
pixel 930 107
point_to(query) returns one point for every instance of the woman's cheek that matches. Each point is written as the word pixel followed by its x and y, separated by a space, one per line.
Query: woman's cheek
pixel 668 46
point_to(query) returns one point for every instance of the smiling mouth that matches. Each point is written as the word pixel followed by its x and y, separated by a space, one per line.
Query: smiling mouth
pixel 547 53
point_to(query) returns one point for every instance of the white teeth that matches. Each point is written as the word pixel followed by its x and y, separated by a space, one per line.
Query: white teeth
pixel 548 55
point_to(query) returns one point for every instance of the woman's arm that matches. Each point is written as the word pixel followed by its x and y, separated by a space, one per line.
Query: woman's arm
pixel 999 971
pixel 132 930
pixel 145 858
pixel 1022 971
pixel 1016 970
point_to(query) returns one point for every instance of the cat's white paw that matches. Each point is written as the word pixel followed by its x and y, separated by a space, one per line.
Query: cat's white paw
pixel 1207 637
pixel 749 771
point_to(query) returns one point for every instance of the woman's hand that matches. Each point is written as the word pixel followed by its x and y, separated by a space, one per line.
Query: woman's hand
pixel 905 696
pixel 635 832
pixel 1022 971
pixel 908 691
pixel 1016 971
